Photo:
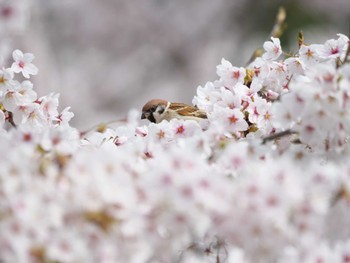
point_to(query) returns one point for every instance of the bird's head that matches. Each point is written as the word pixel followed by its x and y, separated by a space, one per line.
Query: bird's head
pixel 153 110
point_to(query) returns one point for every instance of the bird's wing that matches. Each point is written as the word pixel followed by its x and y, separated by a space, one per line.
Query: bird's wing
pixel 187 110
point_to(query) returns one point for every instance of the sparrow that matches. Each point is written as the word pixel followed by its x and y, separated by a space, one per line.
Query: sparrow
pixel 157 110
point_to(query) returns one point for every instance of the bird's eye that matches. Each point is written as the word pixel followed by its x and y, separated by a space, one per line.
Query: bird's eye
pixel 160 109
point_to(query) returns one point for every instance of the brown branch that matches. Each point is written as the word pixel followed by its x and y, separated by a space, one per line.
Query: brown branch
pixel 277 136
pixel 280 25
pixel 300 39
pixel 10 119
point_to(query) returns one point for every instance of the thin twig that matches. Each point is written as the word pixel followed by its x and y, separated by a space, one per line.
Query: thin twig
pixel 277 136
pixel 280 25
pixel 300 39
pixel 10 119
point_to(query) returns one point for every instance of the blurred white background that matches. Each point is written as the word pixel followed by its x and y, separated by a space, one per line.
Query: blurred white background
pixel 106 57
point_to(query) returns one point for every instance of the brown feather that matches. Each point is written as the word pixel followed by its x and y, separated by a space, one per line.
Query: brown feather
pixel 150 104
pixel 187 110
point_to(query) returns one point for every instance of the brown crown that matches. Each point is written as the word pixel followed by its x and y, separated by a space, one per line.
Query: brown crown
pixel 153 103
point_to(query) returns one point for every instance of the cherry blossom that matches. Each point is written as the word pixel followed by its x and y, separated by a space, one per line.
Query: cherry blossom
pixel 273 49
pixel 207 96
pixel 65 116
pixel 266 179
pixel 295 65
pixel 184 128
pixel 161 132
pixel 23 63
pixel 230 75
pixel 308 54
pixel 334 48
pixel 20 94
pixel 260 113
pixel 230 120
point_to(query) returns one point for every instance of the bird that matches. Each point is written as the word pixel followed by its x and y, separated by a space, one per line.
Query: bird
pixel 157 110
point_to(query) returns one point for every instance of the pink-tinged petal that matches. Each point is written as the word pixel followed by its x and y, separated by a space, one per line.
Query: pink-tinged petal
pixel 66 115
pixel 19 116
pixel 27 85
pixel 16 68
pixel 17 55
pixel 2 118
pixel 8 73
pixel 242 125
pixel 141 131
pixel 31 69
pixel 226 63
pixel 28 57
pixel 268 45
pixel 9 101
pixel 273 49
pixel 276 41
pixel 25 74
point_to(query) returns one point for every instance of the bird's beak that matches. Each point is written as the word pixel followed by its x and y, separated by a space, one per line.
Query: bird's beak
pixel 143 116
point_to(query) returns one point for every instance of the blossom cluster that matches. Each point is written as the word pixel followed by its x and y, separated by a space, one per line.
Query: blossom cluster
pixel 263 179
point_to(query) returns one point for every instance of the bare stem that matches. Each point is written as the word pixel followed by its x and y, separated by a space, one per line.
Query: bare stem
pixel 10 119
pixel 277 136
pixel 300 39
pixel 280 25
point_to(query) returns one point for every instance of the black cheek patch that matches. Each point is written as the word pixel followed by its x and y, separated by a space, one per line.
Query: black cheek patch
pixel 151 118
